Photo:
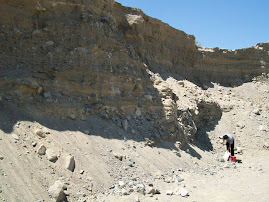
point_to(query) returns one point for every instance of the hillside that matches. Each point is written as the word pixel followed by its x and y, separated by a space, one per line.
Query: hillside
pixel 112 104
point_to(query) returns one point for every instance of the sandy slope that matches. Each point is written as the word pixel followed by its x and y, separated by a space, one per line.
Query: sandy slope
pixel 27 176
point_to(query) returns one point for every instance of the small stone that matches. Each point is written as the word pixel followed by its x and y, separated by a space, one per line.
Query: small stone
pixel 239 150
pixel 125 124
pixel 256 111
pixel 138 113
pixel 226 166
pixel 41 150
pixel 150 190
pixel 1 157
pixel 266 145
pixel 262 128
pixel 40 133
pixel 16 137
pixel 36 32
pixel 70 163
pixel 122 184
pixel 136 199
pixel 181 83
pixel 170 193
pixel 48 43
pixel 125 192
pixel 81 172
pixel 221 159
pixel 39 90
pixel 184 192
pixel 51 155
pixel 34 144
pixel 118 156
pixel 56 191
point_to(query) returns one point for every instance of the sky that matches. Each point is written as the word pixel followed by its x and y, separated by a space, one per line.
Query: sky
pixel 231 24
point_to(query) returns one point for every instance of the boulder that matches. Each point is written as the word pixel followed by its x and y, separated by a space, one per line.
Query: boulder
pixel 183 192
pixel 51 155
pixel 70 163
pixel 56 191
pixel 41 150
pixel 16 137
pixel 40 133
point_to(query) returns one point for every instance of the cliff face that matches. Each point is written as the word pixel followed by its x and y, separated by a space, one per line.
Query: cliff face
pixel 234 67
pixel 79 59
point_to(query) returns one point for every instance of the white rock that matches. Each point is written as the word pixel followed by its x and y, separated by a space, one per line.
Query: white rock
pixel 256 111
pixel 184 192
pixel 40 133
pixel 51 155
pixel 39 90
pixel 150 190
pixel 138 113
pixel 16 137
pixel 70 163
pixel 170 193
pixel 226 166
pixel 41 150
pixel 134 19
pixel 56 191
pixel 262 128
pixel 239 150
pixel 121 184
pixel 125 192
pixel 136 199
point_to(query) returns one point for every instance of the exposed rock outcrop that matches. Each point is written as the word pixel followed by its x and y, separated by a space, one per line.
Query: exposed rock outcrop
pixel 81 60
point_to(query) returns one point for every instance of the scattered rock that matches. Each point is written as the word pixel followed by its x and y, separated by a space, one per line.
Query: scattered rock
pixel 125 192
pixel 39 90
pixel 136 199
pixel 81 172
pixel 40 133
pixel 226 166
pixel 51 155
pixel 150 190
pixel 118 156
pixel 183 192
pixel 47 44
pixel 34 144
pixel 221 159
pixel 266 145
pixel 125 125
pixel 256 111
pixel 262 128
pixel 138 113
pixel 239 150
pixel 170 193
pixel 70 163
pixel 56 191
pixel 122 184
pixel 16 137
pixel 41 150
pixel 1 157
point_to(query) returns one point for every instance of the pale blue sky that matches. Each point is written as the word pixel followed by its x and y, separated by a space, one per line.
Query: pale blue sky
pixel 228 24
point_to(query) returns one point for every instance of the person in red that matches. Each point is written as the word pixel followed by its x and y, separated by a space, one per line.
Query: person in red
pixel 229 139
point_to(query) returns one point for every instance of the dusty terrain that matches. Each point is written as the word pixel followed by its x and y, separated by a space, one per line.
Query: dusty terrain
pixel 100 102
pixel 27 176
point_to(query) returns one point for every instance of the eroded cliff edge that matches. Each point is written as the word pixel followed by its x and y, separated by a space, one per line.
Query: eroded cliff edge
pixel 97 61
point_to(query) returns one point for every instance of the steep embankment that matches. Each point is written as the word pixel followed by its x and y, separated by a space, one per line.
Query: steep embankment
pixel 104 83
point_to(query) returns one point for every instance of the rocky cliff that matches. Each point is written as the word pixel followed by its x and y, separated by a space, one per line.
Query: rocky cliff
pixel 82 60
